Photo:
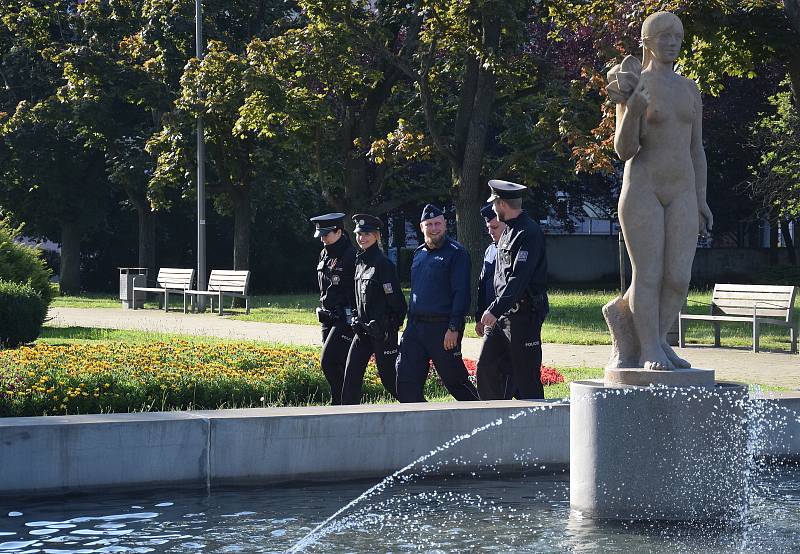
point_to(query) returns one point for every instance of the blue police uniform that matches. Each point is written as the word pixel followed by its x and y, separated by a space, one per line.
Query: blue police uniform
pixel 440 300
pixel 486 281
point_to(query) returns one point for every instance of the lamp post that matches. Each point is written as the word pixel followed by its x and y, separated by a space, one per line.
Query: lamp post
pixel 201 171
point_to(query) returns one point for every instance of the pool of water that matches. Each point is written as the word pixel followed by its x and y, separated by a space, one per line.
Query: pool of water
pixel 520 514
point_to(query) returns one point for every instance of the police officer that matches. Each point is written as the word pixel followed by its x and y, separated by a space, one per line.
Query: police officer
pixel 439 303
pixel 513 321
pixel 335 273
pixel 491 385
pixel 380 311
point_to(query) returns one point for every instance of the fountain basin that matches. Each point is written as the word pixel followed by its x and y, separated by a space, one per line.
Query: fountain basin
pixel 658 453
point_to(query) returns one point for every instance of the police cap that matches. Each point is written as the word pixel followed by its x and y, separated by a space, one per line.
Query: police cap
pixel 505 190
pixel 488 213
pixel 366 223
pixel 429 212
pixel 327 223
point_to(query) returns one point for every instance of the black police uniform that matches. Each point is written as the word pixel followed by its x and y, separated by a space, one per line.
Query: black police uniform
pixel 335 274
pixel 496 385
pixel 440 299
pixel 380 311
pixel 521 305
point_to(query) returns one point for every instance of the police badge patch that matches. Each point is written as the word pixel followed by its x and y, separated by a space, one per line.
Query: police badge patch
pixel 387 288
pixel 522 255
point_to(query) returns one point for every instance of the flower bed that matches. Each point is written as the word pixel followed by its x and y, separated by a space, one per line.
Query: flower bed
pixel 178 375
pixel 549 375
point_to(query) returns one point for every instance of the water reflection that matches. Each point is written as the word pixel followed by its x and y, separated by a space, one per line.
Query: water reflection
pixel 524 514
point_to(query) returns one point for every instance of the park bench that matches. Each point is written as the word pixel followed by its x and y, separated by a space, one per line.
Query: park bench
pixel 170 280
pixel 223 283
pixel 753 304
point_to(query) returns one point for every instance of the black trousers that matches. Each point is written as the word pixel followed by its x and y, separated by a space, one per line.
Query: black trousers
pixel 497 385
pixel 362 347
pixel 516 338
pixel 421 343
pixel 336 341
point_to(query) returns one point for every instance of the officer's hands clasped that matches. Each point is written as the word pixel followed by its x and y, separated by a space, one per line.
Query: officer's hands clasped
pixel 371 329
pixel 488 320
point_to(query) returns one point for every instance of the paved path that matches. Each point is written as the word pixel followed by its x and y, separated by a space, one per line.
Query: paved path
pixel 768 368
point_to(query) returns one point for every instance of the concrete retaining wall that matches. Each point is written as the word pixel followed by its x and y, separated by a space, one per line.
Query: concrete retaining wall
pixel 71 453
pixel 586 258
pixel 74 453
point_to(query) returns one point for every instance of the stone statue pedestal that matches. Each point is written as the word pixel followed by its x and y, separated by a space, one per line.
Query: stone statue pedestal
pixel 667 452
pixel 692 377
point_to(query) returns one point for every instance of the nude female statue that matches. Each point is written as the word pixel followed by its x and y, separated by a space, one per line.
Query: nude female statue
pixel 662 206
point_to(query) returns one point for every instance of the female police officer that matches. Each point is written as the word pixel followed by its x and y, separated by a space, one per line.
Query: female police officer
pixel 335 271
pixel 380 311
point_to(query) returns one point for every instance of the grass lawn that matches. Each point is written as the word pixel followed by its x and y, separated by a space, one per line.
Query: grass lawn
pixel 575 317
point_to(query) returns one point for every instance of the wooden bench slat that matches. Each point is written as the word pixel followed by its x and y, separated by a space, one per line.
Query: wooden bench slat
pixel 756 288
pixel 741 319
pixel 240 290
pixel 149 289
pixel 751 302
pixel 784 300
pixel 238 282
pixel 747 310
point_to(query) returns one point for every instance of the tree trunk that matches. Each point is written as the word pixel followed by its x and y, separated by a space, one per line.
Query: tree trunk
pixel 241 227
pixel 470 182
pixel 147 238
pixel 70 270
pixel 787 237
pixel 471 232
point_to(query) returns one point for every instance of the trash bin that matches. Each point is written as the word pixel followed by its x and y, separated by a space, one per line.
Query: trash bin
pixel 128 278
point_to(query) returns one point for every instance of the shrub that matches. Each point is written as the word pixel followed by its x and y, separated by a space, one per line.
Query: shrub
pixel 779 275
pixel 20 263
pixel 22 312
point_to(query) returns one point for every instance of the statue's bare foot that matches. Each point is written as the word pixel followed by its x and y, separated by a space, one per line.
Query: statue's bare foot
pixel 676 360
pixel 657 360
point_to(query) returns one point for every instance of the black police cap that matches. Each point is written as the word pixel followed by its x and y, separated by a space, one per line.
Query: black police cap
pixel 488 213
pixel 327 223
pixel 429 212
pixel 505 190
pixel 366 223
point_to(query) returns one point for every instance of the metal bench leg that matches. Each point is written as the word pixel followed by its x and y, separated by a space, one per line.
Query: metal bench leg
pixel 221 304
pixel 184 302
pixel 166 300
pixel 681 332
pixel 716 334
pixel 756 333
pixel 247 305
pixel 793 339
